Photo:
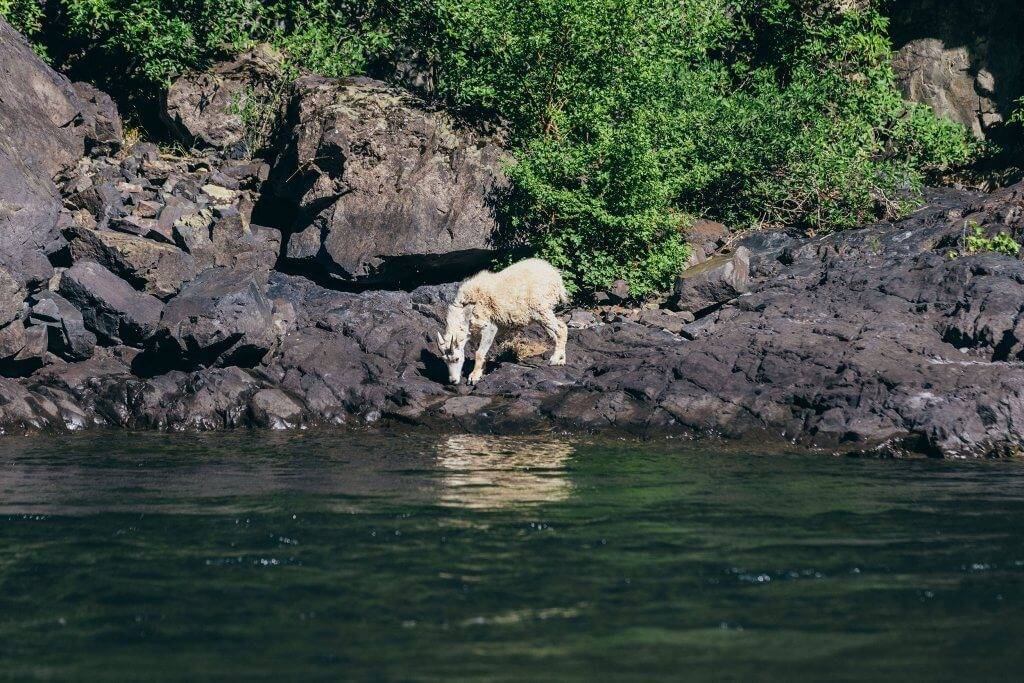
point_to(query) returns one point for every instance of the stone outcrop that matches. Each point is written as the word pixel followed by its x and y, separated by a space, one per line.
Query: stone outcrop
pixel 114 311
pixel 45 124
pixel 231 105
pixel 223 318
pixel 386 188
pixel 162 304
pixel 869 339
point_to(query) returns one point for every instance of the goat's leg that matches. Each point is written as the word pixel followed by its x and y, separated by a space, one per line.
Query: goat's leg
pixel 559 333
pixel 487 333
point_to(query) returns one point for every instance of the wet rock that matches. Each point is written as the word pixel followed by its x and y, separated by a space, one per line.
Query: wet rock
pixel 379 203
pixel 204 109
pixel 275 409
pixel 222 318
pixel 110 308
pixel 714 281
pixel 155 268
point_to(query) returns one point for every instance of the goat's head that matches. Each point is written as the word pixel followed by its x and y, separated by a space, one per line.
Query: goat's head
pixel 452 346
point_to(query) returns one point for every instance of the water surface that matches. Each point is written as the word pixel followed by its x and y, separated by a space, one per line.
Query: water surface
pixel 413 557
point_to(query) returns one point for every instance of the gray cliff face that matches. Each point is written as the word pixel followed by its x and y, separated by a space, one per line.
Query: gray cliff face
pixel 165 303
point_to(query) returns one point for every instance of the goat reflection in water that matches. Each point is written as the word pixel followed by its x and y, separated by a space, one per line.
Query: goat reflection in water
pixel 494 472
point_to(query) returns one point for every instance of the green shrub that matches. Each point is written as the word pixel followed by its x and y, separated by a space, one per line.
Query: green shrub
pixel 977 241
pixel 26 16
pixel 627 118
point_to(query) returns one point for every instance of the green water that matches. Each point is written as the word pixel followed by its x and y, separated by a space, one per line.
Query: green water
pixel 326 556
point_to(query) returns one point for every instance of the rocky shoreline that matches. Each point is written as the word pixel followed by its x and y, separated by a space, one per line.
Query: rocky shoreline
pixel 145 290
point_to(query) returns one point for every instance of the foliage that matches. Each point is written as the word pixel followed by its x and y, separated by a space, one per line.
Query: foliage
pixel 27 17
pixel 977 241
pixel 626 117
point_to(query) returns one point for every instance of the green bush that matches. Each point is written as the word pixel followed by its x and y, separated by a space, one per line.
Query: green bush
pixel 977 241
pixel 627 118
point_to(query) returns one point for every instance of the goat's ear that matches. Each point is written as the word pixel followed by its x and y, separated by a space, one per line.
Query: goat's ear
pixel 440 341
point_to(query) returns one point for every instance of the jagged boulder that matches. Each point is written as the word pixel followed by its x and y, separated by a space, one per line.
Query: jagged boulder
pixel 714 281
pixel 705 238
pixel 155 268
pixel 67 335
pixel 214 108
pixel 110 308
pixel 385 186
pixel 44 124
pixel 104 133
pixel 222 318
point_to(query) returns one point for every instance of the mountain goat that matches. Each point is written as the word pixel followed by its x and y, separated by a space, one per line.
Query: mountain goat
pixel 514 297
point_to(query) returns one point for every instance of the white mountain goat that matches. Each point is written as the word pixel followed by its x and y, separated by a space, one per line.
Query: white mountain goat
pixel 524 292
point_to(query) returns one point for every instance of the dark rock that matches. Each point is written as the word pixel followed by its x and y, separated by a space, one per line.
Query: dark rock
pixel 67 336
pixel 22 349
pixel 104 134
pixel 235 244
pixel 222 318
pixel 714 281
pixel 100 198
pixel 581 320
pixel 12 296
pixel 203 109
pixel 155 268
pixel 44 123
pixel 192 233
pixel 246 174
pixel 619 292
pixel 668 321
pixel 275 409
pixel 379 203
pixel 110 307
pixel 12 341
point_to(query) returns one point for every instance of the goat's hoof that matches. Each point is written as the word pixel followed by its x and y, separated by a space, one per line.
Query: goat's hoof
pixel 471 380
pixel 556 361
